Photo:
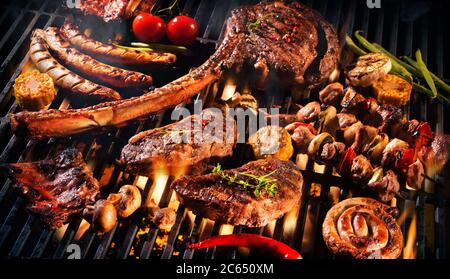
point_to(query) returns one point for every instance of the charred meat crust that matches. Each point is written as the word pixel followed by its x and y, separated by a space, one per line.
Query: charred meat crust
pixel 56 188
pixel 112 54
pixel 241 43
pixel 183 144
pixel 62 76
pixel 209 197
pixel 88 66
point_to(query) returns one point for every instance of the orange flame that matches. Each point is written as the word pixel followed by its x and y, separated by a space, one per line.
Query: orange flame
pixel 410 250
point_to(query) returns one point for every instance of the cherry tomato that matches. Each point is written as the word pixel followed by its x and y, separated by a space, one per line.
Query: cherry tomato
pixel 182 30
pixel 148 28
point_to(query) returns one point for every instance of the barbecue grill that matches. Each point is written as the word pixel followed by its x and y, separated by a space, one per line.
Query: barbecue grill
pixel 400 26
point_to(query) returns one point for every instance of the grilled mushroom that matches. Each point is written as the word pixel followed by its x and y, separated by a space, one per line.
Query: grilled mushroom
pixel 102 216
pixel 164 218
pixel 127 201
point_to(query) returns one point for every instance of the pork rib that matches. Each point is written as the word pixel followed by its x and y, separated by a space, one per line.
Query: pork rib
pixel 254 34
pixel 56 188
pixel 112 54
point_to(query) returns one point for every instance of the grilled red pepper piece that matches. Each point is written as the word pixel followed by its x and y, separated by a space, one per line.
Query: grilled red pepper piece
pixel 405 159
pixel 265 244
pixel 424 136
pixel 347 162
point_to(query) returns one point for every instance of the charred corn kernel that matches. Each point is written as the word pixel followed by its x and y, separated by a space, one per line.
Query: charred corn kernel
pixel 392 90
pixel 34 90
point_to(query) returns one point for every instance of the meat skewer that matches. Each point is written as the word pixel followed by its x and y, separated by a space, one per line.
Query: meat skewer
pixel 112 54
pixel 298 53
pixel 90 67
pixel 62 76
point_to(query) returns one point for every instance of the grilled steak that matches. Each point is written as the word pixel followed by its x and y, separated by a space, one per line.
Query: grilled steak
pixel 253 34
pixel 291 39
pixel 110 53
pixel 56 188
pixel 218 199
pixel 184 144
pixel 115 9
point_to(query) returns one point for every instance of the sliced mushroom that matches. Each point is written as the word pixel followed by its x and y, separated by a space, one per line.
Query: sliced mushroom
pixel 102 215
pixel 127 201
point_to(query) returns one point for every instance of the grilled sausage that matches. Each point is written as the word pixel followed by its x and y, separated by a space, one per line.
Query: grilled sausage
pixel 112 54
pixel 90 67
pixel 63 77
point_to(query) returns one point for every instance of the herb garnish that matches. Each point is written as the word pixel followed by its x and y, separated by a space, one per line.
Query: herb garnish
pixel 257 23
pixel 253 182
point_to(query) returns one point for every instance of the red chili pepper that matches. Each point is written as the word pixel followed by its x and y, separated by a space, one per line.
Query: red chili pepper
pixel 347 162
pixel 265 244
pixel 406 158
pixel 424 136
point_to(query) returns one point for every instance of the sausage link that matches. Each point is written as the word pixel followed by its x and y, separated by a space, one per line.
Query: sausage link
pixel 112 54
pixel 62 76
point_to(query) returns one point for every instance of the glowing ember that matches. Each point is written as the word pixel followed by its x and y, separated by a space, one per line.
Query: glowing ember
pixel 226 230
pixel 228 90
pixel 410 250
pixel 161 176
pixel 290 223
pixel 84 226
pixel 141 182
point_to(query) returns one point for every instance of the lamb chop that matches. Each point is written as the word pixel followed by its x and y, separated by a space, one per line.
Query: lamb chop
pixel 240 202
pixel 286 39
pixel 187 143
pixel 56 188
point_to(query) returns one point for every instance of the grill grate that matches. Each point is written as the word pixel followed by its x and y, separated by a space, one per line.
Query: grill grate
pixel 22 235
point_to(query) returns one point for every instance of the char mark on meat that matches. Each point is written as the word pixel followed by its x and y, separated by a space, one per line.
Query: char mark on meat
pixel 185 144
pixel 211 197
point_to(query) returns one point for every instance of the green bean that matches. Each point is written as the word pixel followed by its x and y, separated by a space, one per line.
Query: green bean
pixel 396 67
pixel 353 47
pixel 426 73
pixel 439 82
pixel 152 47
pixel 421 89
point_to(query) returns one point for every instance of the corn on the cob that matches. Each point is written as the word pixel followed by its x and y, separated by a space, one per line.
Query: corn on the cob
pixel 34 90
pixel 392 90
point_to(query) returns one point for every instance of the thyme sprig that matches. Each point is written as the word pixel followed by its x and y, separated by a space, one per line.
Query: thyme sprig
pixel 249 181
